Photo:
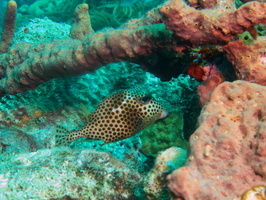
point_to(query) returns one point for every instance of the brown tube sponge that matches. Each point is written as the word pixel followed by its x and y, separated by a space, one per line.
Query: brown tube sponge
pixel 9 26
pixel 82 23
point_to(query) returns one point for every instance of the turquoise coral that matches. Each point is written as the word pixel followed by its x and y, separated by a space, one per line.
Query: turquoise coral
pixel 166 133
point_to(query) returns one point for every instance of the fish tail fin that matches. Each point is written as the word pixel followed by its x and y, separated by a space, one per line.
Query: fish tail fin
pixel 62 136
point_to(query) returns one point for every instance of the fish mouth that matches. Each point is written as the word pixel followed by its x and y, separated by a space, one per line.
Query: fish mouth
pixel 163 114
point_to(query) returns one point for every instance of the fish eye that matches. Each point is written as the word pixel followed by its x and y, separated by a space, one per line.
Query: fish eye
pixel 146 99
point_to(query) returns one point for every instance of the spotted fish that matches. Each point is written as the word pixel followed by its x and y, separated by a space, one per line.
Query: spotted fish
pixel 119 116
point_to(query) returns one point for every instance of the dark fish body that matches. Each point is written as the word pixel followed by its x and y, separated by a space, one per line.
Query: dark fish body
pixel 119 116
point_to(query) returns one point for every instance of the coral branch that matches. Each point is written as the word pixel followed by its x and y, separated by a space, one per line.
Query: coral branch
pixel 9 26
pixel 82 23
pixel 44 61
pixel 249 60
pixel 211 26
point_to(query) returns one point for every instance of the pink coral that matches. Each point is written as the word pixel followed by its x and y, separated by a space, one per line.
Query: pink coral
pixel 249 60
pixel 205 89
pixel 228 150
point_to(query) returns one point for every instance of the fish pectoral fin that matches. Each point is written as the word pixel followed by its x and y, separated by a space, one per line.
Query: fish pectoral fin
pixel 85 111
pixel 104 143
pixel 87 140
pixel 61 136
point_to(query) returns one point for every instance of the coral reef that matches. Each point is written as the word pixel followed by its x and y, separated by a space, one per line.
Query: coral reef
pixel 166 161
pixel 205 90
pixel 10 138
pixel 115 14
pixel 178 94
pixel 246 37
pixel 111 13
pixel 69 100
pixel 211 26
pixel 249 60
pixel 204 63
pixel 41 30
pixel 62 61
pixel 83 174
pixel 57 10
pixel 227 151
pixel 70 57
pixel 261 30
pixel 157 138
